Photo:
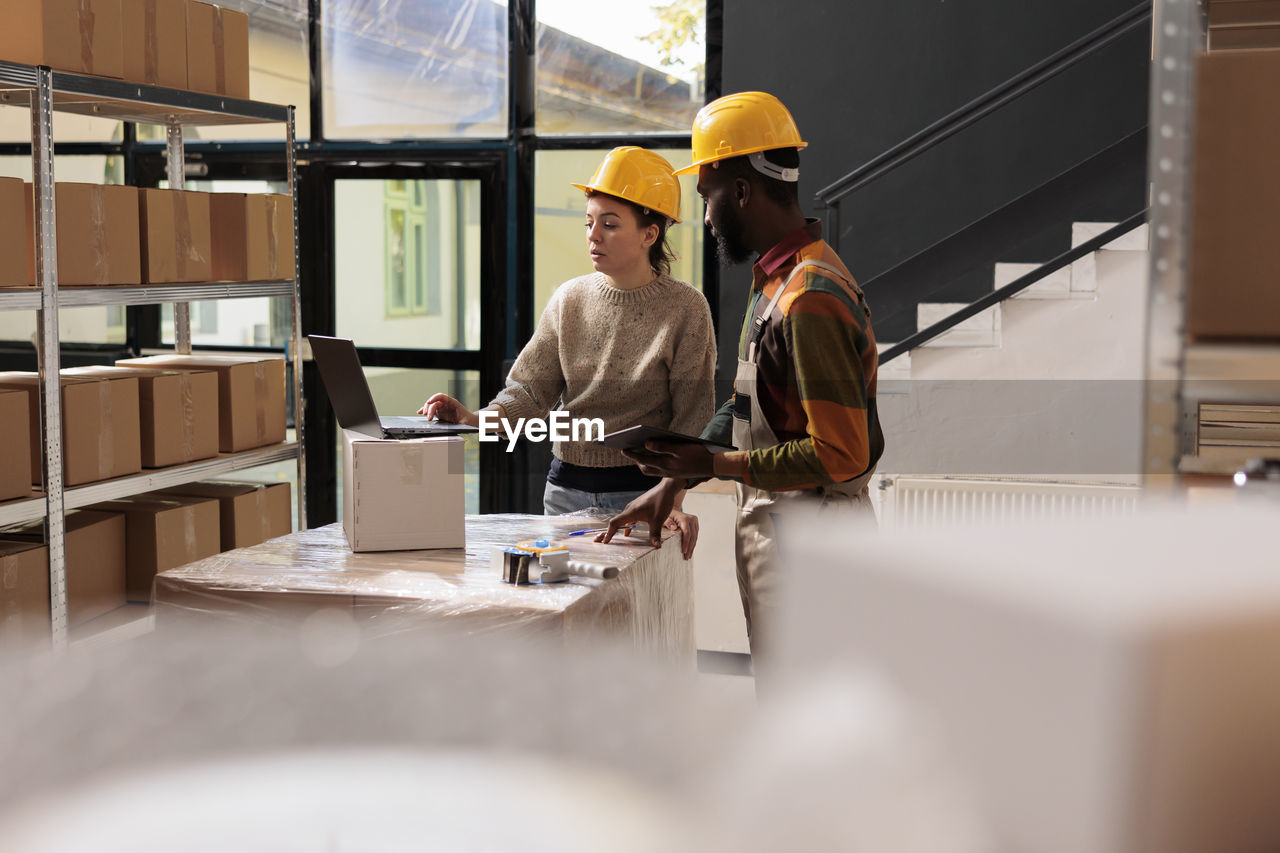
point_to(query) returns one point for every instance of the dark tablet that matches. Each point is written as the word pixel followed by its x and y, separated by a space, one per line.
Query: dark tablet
pixel 634 438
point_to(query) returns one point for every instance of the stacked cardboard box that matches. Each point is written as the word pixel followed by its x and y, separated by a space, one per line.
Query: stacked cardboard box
pixel 1233 291
pixel 24 594
pixel 155 42
pixel 123 235
pixel 97 234
pixel 100 426
pixel 178 411
pixel 95 561
pixel 250 513
pixel 1235 24
pixel 251 408
pixel 252 237
pixel 1237 433
pixel 15 450
pixel 14 245
pixel 163 532
pixel 80 36
pixel 178 44
pixel 217 50
pixel 175 236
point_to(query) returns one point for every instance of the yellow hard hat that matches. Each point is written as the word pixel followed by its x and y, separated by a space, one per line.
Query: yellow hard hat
pixel 640 177
pixel 742 123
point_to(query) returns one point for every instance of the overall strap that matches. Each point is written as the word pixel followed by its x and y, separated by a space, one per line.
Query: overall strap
pixel 757 328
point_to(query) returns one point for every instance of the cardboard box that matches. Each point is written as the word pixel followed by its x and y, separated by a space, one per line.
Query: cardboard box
pixel 15 452
pixel 80 36
pixel 95 552
pixel 15 270
pixel 97 234
pixel 1228 12
pixel 24 593
pixel 402 495
pixel 1100 685
pixel 178 412
pixel 155 42
pixel 163 532
pixel 217 50
pixel 100 426
pixel 250 513
pixel 251 405
pixel 1233 291
pixel 252 237
pixel 176 245
pixel 1245 37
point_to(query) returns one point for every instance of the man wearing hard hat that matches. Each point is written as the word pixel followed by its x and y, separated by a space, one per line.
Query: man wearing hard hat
pixel 803 411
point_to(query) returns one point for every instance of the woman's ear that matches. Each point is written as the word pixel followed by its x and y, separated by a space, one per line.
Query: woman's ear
pixel 651 233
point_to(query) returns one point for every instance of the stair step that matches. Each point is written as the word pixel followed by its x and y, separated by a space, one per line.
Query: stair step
pixel 1136 240
pixel 1084 272
pixel 980 330
pixel 891 372
pixel 1056 285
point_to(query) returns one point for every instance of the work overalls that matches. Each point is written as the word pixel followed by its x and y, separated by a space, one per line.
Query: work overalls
pixel 759 576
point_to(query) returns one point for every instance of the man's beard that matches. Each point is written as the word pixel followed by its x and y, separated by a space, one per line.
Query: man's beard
pixel 730 244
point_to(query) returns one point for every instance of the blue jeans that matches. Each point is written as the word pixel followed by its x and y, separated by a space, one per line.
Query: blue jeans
pixel 558 500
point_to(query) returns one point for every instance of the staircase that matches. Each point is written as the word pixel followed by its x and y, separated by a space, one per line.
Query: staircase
pixel 1030 336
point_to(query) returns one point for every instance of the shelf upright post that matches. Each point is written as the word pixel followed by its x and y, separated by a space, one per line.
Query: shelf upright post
pixel 299 408
pixel 46 257
pixel 178 181
pixel 1179 28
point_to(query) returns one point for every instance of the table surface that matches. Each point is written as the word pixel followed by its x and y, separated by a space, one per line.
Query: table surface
pixel 320 561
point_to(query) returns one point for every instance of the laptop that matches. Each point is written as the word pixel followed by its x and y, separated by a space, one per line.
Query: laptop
pixel 352 400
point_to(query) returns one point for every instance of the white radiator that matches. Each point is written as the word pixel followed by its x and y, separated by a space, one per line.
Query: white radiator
pixel 922 502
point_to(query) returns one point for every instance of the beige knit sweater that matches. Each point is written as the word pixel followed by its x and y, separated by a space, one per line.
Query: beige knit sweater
pixel 631 357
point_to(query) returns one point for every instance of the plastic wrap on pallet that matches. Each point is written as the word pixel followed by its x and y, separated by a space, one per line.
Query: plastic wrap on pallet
pixel 649 605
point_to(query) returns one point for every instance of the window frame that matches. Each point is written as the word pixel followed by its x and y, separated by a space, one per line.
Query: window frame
pixel 506 217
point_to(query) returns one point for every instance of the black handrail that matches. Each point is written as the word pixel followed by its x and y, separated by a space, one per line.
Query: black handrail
pixel 1016 286
pixel 949 262
pixel 971 112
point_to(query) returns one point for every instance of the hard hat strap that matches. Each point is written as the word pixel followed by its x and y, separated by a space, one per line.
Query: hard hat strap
pixel 780 173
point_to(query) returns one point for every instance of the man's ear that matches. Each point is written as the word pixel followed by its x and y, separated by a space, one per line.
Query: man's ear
pixel 742 191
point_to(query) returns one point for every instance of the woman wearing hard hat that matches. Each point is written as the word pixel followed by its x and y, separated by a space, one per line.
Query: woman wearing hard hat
pixel 626 343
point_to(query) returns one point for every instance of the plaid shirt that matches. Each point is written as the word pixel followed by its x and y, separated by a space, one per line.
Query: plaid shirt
pixel 816 372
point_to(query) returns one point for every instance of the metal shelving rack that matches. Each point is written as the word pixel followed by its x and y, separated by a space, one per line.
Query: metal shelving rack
pixel 1179 35
pixel 1180 376
pixel 44 91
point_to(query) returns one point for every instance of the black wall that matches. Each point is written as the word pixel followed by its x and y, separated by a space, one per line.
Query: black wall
pixel 862 75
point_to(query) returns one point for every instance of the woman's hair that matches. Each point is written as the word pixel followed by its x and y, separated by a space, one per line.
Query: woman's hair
pixel 660 255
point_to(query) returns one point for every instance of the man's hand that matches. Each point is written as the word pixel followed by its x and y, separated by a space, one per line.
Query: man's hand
pixel 652 508
pixel 674 459
pixel 688 526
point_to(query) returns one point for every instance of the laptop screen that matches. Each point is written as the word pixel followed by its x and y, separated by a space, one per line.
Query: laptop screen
pixel 345 384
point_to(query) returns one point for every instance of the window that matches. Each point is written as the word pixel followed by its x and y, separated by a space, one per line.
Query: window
pixel 421 240
pixel 637 69
pixel 413 249
pixel 279 70
pixel 414 68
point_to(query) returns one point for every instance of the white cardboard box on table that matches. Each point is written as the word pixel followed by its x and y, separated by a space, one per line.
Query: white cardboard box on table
pixel 402 495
